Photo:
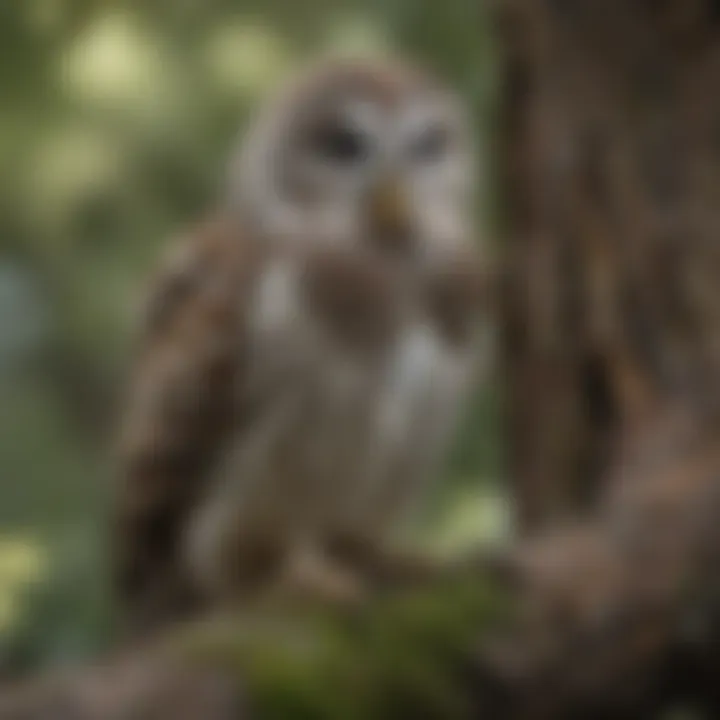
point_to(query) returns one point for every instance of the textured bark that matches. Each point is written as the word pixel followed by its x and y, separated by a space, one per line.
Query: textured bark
pixel 611 174
pixel 620 616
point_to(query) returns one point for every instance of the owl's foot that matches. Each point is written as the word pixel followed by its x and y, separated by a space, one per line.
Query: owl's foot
pixel 385 567
pixel 310 577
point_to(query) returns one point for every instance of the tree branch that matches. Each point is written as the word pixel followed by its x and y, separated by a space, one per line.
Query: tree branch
pixel 585 622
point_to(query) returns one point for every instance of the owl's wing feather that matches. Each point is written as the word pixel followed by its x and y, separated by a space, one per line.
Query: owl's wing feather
pixel 180 410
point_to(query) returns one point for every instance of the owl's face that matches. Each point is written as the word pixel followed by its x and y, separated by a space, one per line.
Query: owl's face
pixel 356 154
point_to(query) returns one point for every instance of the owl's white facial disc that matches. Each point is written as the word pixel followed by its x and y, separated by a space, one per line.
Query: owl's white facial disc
pixel 315 162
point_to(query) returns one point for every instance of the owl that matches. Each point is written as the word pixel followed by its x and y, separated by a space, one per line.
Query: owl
pixel 306 351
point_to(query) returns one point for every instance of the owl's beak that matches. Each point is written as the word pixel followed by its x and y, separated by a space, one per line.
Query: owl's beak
pixel 389 212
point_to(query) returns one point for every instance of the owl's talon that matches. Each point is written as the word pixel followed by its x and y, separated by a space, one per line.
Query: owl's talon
pixel 388 567
pixel 311 579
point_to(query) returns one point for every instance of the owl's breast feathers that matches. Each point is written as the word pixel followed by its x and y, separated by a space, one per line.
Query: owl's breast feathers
pixel 192 391
pixel 353 298
pixel 362 302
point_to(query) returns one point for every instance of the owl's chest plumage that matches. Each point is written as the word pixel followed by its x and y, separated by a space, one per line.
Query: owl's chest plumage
pixel 358 382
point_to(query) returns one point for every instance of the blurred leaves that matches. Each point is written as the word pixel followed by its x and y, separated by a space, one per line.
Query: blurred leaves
pixel 23 318
pixel 22 561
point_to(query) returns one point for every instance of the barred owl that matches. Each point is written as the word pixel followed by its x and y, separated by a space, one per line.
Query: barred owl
pixel 306 352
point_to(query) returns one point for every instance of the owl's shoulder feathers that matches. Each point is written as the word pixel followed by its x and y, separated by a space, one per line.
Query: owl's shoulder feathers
pixel 196 266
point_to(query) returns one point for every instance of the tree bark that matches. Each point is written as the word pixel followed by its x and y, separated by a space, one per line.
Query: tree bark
pixel 611 174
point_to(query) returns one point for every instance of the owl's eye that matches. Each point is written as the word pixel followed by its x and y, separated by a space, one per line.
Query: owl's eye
pixel 431 144
pixel 341 144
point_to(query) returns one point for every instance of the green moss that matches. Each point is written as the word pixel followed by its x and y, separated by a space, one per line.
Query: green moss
pixel 401 655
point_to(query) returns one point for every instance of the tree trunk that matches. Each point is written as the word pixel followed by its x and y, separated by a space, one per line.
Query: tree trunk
pixel 611 177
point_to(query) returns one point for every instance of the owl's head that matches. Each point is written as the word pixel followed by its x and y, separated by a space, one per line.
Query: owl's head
pixel 360 153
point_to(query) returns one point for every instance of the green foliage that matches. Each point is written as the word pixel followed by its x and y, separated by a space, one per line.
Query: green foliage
pixel 400 656
pixel 117 119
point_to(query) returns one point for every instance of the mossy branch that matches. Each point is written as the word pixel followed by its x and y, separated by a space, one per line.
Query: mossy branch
pixel 400 656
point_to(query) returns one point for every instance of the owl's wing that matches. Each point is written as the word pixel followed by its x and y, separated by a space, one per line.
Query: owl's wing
pixel 180 410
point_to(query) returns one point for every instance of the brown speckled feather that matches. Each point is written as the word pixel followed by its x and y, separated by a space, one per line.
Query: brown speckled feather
pixel 180 411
